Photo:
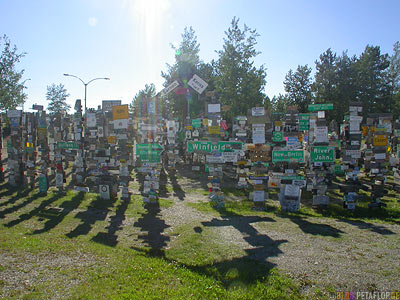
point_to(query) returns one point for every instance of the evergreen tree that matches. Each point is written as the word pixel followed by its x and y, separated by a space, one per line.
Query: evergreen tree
pixel 298 87
pixel 238 82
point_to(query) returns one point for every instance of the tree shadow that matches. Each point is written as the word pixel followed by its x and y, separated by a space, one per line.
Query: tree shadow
pixel 56 215
pixel 35 211
pixel 20 194
pixel 152 227
pixel 14 208
pixel 97 211
pixel 315 228
pixel 175 185
pixel 372 227
pixel 109 238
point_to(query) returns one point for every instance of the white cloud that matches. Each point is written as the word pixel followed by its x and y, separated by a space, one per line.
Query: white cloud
pixel 92 21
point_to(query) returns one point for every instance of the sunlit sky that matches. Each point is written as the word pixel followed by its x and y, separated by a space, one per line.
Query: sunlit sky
pixel 129 40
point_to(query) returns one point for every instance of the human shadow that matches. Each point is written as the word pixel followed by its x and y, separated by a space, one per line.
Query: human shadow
pixel 175 185
pixel 56 215
pixel 162 191
pixel 36 210
pixel 369 226
pixel 110 237
pixel 152 228
pixel 97 211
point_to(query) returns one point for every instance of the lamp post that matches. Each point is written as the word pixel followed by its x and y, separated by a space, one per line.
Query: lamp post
pixel 86 83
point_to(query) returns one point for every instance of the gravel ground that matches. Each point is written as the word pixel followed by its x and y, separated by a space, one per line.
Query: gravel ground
pixel 322 252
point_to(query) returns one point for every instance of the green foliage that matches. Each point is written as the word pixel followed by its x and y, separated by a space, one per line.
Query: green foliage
pixel 279 103
pixel 57 95
pixel 11 88
pixel 238 82
pixel 298 87
pixel 138 106
pixel 187 63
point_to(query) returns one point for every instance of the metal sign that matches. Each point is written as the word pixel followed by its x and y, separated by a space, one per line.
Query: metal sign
pixel 321 106
pixel 288 156
pixel 169 88
pixel 206 146
pixel 198 84
pixel 120 112
pixel 67 145
pixel 277 136
pixel 107 105
pixel 322 154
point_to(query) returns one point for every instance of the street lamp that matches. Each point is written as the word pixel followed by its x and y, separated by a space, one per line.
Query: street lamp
pixel 86 83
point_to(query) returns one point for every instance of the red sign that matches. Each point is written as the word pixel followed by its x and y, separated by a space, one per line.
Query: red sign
pixel 181 91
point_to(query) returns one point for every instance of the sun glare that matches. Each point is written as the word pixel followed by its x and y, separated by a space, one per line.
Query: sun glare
pixel 150 14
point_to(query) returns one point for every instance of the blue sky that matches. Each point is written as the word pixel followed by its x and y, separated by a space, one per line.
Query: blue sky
pixel 129 41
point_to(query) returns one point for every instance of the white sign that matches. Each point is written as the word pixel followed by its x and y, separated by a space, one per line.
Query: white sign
pixel 91 119
pixel 59 180
pixel 257 111
pixel 321 114
pixel 353 153
pixel 380 155
pixel 14 113
pixel 258 196
pixel 169 88
pixel 354 125
pixel 258 133
pixel 107 105
pixel 230 156
pixel 198 84
pixel 321 134
pixel 292 190
pixel 104 192
pixel 121 124
pixel 214 108
pixel 215 159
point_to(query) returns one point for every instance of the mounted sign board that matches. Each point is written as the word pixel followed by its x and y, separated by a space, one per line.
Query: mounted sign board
pixel 206 146
pixel 169 88
pixel 257 111
pixel 277 136
pixel 321 106
pixel 107 105
pixel 288 156
pixel 321 134
pixel 14 113
pixel 91 119
pixel 121 124
pixel 196 123
pixel 67 145
pixel 322 154
pixel 303 124
pixel 214 108
pixel 213 130
pixel 379 140
pixel 198 84
pixel 120 112
pixel 104 192
pixel 37 107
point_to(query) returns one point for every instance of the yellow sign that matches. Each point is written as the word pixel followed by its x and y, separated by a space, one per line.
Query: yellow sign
pixel 120 112
pixel 379 140
pixel 278 123
pixel 364 130
pixel 205 122
pixel 112 139
pixel 213 130
pixel 189 127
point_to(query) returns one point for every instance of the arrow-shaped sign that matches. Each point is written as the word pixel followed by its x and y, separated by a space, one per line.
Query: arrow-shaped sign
pixel 169 88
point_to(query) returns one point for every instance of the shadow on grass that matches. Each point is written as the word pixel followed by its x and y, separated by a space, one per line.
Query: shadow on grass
pixel 152 228
pixel 109 238
pixel 55 216
pixel 372 227
pixel 175 185
pixel 35 211
pixel 97 211
pixel 17 207
pixel 20 194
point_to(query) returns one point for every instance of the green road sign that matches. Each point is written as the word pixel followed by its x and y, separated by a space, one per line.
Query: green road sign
pixel 303 124
pixel 206 146
pixel 322 154
pixel 149 152
pixel 321 106
pixel 67 145
pixel 277 136
pixel 283 155
pixel 42 184
pixel 196 123
pixel 304 116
